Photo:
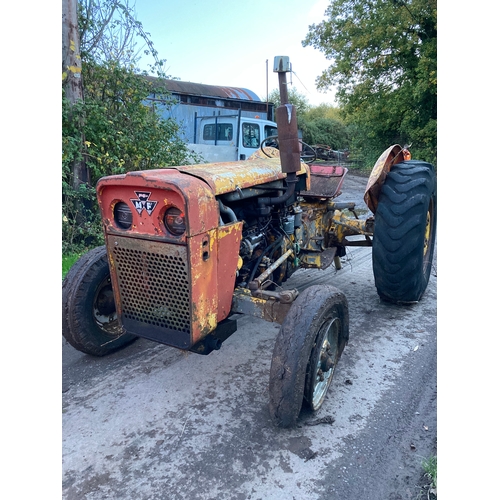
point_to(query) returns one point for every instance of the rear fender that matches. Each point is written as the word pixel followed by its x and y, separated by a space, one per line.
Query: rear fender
pixel 391 156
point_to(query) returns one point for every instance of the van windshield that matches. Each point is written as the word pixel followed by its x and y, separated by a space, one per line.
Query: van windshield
pixel 270 130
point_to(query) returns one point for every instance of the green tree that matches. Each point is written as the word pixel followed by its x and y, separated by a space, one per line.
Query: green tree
pixel 110 31
pixel 325 131
pixel 323 124
pixel 384 64
pixel 324 111
pixel 319 124
pixel 294 97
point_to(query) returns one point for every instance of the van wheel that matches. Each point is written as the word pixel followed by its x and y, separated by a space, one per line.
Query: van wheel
pixel 89 320
pixel 306 352
pixel 405 232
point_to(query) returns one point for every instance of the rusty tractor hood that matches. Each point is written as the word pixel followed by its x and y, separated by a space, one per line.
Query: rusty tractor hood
pixel 227 177
pixel 192 186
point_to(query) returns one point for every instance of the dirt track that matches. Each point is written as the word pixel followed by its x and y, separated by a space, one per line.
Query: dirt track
pixel 151 422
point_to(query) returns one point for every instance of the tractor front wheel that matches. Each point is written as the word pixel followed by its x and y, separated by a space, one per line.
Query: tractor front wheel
pixel 89 320
pixel 306 352
pixel 405 232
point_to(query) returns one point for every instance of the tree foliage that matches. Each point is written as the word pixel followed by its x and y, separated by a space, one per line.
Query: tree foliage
pixel 120 131
pixel 110 31
pixel 323 124
pixel 384 65
pixel 325 131
pixel 294 97
pixel 319 124
pixel 323 111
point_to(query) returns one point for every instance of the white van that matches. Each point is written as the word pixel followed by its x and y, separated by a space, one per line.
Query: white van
pixel 230 137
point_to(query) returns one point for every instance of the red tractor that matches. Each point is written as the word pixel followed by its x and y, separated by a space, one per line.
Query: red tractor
pixel 190 248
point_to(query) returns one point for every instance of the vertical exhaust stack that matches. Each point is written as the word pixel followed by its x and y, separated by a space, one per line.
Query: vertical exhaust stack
pixel 286 118
pixel 288 137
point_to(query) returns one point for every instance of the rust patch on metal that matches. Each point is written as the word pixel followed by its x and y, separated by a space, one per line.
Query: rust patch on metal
pixel 228 260
pixel 392 155
pixel 343 226
pixel 229 176
pixel 204 296
pixel 167 187
pixel 269 310
pixel 269 152
pixel 204 90
pixel 326 181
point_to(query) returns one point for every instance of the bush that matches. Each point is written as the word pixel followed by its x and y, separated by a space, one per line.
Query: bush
pixel 326 131
pixel 114 131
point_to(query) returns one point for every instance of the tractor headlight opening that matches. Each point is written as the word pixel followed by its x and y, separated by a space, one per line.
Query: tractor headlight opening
pixel 175 221
pixel 122 215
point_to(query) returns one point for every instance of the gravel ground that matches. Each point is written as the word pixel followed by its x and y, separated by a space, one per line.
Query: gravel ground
pixel 151 422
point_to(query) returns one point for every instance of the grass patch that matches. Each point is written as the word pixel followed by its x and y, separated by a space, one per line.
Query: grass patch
pixel 68 261
pixel 430 468
pixel 430 472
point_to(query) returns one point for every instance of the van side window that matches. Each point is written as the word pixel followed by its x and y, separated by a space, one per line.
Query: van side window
pixel 251 135
pixel 224 132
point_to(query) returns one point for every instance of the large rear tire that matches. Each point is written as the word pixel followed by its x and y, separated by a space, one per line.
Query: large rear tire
pixel 405 232
pixel 306 352
pixel 89 320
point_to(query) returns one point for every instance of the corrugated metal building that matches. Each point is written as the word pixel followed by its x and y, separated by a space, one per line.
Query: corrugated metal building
pixel 197 99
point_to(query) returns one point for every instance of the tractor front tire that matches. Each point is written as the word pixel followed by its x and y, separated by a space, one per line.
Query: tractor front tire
pixel 306 352
pixel 89 320
pixel 405 232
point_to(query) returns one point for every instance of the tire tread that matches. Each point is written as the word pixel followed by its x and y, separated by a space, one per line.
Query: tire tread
pixel 398 235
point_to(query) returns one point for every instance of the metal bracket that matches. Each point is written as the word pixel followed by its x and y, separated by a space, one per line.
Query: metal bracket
pixel 263 304
pixel 213 341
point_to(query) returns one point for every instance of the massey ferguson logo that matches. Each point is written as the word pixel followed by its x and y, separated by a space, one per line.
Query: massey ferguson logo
pixel 143 202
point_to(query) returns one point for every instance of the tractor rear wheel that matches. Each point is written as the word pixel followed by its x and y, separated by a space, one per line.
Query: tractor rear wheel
pixel 89 320
pixel 405 232
pixel 307 350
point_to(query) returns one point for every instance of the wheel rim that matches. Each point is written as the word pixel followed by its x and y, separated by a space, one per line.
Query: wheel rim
pixel 428 234
pixel 325 362
pixel 104 310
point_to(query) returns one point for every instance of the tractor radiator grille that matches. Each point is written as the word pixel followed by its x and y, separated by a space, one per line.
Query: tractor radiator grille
pixel 154 289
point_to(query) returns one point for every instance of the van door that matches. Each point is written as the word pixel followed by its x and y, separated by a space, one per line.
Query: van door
pixel 250 138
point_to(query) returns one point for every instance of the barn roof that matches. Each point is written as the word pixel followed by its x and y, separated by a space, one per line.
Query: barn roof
pixel 201 89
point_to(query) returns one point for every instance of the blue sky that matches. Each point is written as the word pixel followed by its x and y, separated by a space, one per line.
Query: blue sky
pixel 227 43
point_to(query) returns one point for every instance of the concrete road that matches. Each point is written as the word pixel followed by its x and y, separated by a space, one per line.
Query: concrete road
pixel 151 422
